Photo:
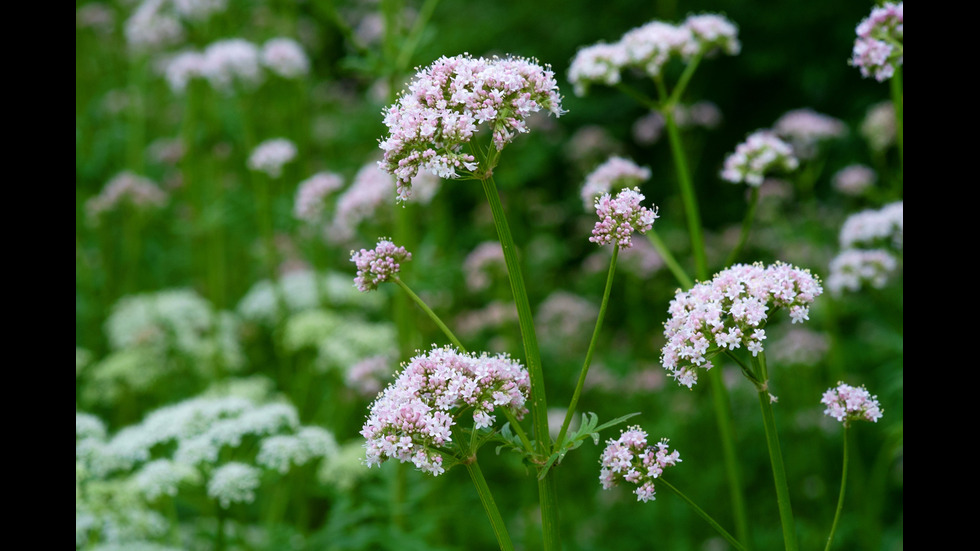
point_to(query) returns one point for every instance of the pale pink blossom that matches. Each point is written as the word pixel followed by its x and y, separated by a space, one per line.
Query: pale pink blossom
pixel 378 265
pixel 629 458
pixel 729 312
pixel 614 174
pixel 412 419
pixel 312 194
pixel 620 217
pixel 847 403
pixel 879 46
pixel 759 155
pixel 446 104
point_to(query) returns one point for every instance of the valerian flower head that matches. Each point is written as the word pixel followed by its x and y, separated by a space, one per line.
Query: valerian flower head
pixel 649 47
pixel 847 403
pixel 630 459
pixel 620 217
pixel 730 311
pixel 378 265
pixel 312 193
pixel 412 419
pixel 759 155
pixel 615 173
pixel 270 156
pixel 879 48
pixel 448 101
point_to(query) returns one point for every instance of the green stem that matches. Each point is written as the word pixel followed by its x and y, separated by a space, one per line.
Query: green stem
pixel 490 506
pixel 714 524
pixel 899 103
pixel 746 227
pixel 726 433
pixel 687 191
pixel 515 424
pixel 682 82
pixel 432 315
pixel 672 264
pixel 588 355
pixel 414 35
pixel 638 97
pixel 776 458
pixel 840 498
pixel 539 403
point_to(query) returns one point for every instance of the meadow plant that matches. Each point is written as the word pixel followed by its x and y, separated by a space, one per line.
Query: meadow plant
pixel 271 155
pixel 176 450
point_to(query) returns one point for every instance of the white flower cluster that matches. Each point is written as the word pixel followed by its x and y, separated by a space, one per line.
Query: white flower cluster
pixel 126 188
pixel 649 47
pixel 300 291
pixel 759 155
pixel 233 62
pixel 271 155
pixel 871 241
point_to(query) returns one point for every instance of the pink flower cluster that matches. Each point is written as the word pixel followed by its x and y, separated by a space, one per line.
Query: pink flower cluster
pixel 760 154
pixel 649 47
pixel 270 156
pixel 854 179
pixel 448 101
pixel 619 218
pixel 854 267
pixel 730 311
pixel 125 188
pixel 805 129
pixel 617 172
pixel 879 47
pixel 873 227
pixel 413 418
pixel 847 403
pixel 285 57
pixel 630 458
pixel 378 265
pixel 312 193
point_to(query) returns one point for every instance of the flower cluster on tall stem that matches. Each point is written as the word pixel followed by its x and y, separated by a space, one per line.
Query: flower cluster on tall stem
pixel 731 311
pixel 412 419
pixel 378 265
pixel 447 102
pixel 630 459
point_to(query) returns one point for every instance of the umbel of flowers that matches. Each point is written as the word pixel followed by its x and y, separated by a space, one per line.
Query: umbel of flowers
pixel 378 265
pixel 619 218
pixel 447 102
pixel 848 403
pixel 630 459
pixel 413 419
pixel 731 311
pixel 649 47
pixel 760 154
pixel 880 44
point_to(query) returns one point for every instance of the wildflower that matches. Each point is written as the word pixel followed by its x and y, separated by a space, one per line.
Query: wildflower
pixel 761 153
pixel 854 179
pixel 616 173
pixel 482 263
pixel 600 63
pixel 448 101
pixel 805 129
pixel 620 217
pixel 712 32
pixel 270 156
pixel 854 267
pixel 630 459
pixel 847 403
pixel 181 68
pixel 651 46
pixel 412 419
pixel 871 227
pixel 162 477
pixel 368 375
pixel 730 311
pixel 878 126
pixel 151 27
pixel 281 451
pixel 126 188
pixel 234 483
pixel 285 57
pixel 312 193
pixel 879 47
pixel 378 265
pixel 231 61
